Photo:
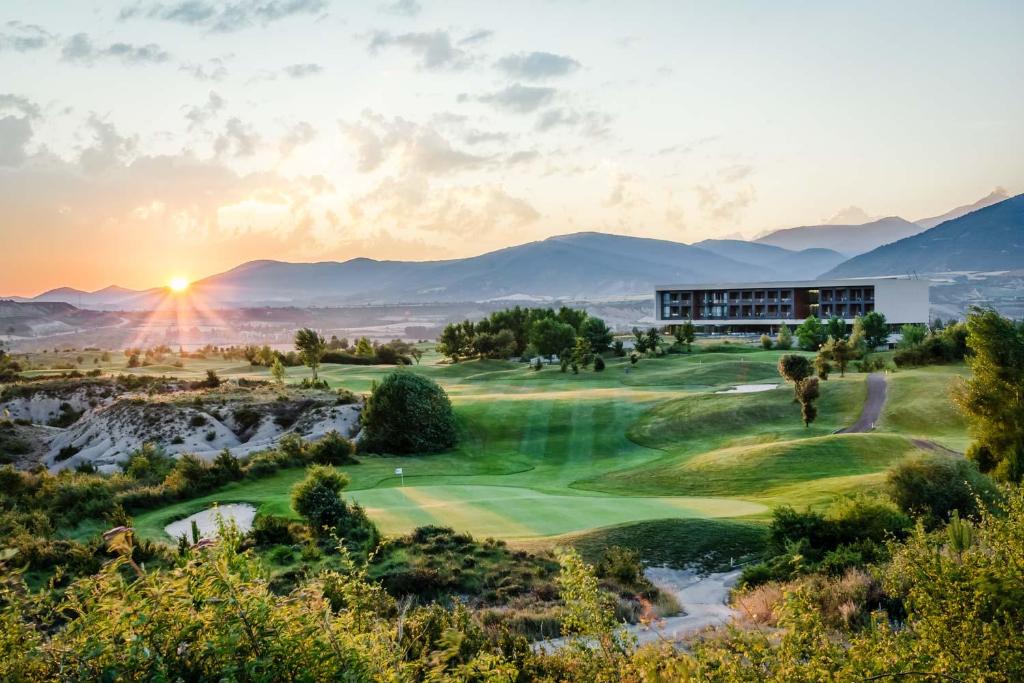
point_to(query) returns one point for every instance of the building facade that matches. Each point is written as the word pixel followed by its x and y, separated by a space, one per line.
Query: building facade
pixel 761 306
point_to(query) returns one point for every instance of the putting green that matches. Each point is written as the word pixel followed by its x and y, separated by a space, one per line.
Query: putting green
pixel 511 512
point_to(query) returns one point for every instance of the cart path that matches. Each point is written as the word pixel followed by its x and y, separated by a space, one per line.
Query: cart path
pixel 872 406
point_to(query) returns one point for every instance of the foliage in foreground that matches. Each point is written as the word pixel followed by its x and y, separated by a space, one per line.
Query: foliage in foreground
pixel 956 595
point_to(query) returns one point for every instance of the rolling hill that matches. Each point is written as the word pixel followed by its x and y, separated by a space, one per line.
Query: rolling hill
pixel 989 239
pixel 786 264
pixel 850 240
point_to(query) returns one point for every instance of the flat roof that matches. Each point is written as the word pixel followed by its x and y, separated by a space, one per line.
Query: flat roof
pixel 847 282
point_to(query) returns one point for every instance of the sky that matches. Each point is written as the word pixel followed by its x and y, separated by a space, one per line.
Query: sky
pixel 146 139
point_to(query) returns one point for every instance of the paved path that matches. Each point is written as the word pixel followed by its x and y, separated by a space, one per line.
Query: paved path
pixel 872 406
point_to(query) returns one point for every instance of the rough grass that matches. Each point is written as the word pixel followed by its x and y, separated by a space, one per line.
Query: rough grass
pixel 919 405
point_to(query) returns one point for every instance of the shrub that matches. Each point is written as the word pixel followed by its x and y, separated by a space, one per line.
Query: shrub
pixel 332 449
pixel 408 413
pixel 932 487
pixel 766 342
pixel 598 364
pixel 318 499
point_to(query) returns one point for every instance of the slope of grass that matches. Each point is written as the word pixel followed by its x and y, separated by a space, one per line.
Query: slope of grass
pixel 919 405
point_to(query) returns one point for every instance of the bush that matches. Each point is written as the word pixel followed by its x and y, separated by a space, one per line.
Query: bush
pixel 766 342
pixel 408 413
pixel 598 364
pixel 332 449
pixel 932 487
pixel 318 499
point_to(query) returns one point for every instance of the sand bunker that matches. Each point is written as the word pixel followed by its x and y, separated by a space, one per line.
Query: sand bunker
pixel 748 388
pixel 206 520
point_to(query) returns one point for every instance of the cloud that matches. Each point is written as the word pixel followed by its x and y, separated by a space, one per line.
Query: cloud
pixel 590 123
pixel 109 147
pixel 80 48
pixel 476 137
pixel 721 208
pixel 199 116
pixel 418 148
pixel 533 66
pixel 238 139
pixel 303 70
pixel 476 37
pixel 300 134
pixel 24 37
pixel 434 49
pixel 735 173
pixel 224 16
pixel 440 212
pixel 519 99
pixel 15 134
pixel 405 8
pixel 213 70
pixel 22 105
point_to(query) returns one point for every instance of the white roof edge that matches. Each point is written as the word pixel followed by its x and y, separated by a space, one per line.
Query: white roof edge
pixel 789 283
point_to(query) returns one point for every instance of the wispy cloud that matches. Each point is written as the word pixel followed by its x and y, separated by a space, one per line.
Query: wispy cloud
pixel 223 16
pixel 535 66
pixel 518 98
pixel 303 70
pixel 81 49
pixel 434 49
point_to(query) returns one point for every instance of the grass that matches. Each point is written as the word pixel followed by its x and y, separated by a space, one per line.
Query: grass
pixel 918 405
pixel 548 456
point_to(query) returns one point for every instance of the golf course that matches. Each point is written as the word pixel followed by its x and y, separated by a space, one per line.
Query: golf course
pixel 545 454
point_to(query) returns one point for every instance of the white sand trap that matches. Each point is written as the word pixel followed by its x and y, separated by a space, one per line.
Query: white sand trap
pixel 748 388
pixel 206 520
pixel 704 599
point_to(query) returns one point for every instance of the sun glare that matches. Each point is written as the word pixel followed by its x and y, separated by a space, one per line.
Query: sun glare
pixel 178 284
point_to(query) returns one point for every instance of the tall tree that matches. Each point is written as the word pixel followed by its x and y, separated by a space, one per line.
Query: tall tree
pixel 551 336
pixel 597 333
pixel 811 334
pixel 836 327
pixel 799 370
pixel 876 330
pixel 839 352
pixel 993 397
pixel 653 339
pixel 784 339
pixel 311 345
pixel 685 334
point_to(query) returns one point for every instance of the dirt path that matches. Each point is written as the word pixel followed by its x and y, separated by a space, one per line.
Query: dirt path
pixel 872 406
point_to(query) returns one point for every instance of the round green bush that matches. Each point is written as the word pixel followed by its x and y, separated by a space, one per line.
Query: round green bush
pixel 407 413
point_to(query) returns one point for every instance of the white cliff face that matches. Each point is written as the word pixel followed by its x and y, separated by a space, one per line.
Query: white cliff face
pixel 106 426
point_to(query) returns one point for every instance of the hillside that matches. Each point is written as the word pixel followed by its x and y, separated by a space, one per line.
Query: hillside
pixel 997 195
pixel 846 239
pixel 785 264
pixel 988 239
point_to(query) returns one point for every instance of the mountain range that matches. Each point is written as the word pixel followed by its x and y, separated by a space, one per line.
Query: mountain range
pixel 986 240
pixel 595 266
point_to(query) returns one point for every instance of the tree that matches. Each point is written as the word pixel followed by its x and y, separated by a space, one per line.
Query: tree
pixel 784 339
pixel 992 398
pixel 597 334
pixel 685 334
pixel 618 348
pixel 640 340
pixel 277 371
pixel 581 354
pixel 551 336
pixel 857 341
pixel 407 413
pixel 912 335
pixel 416 353
pixel 836 327
pixel 766 342
pixel 822 367
pixel 876 330
pixel 798 370
pixel 453 342
pixel 572 316
pixel 933 486
pixel 807 393
pixel 811 334
pixel 311 345
pixel 653 340
pixel 364 348
pixel 838 351
pixel 598 364
pixel 318 498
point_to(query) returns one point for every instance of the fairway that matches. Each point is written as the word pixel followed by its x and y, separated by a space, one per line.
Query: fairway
pixel 546 454
pixel 512 512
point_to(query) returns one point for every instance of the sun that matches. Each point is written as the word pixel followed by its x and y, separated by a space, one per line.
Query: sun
pixel 178 284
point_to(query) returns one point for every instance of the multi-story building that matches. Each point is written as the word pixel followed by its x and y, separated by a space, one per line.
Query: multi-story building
pixel 761 306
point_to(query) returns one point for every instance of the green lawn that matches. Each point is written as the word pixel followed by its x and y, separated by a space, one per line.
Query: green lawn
pixel 918 406
pixel 550 455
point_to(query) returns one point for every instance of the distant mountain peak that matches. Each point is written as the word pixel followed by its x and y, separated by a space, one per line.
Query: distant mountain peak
pixel 851 215
pixel 994 197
